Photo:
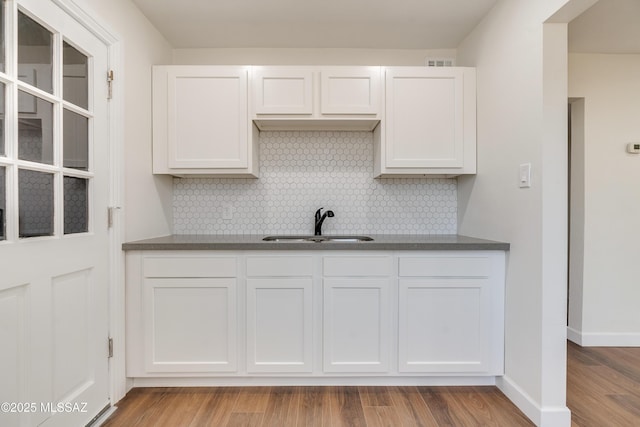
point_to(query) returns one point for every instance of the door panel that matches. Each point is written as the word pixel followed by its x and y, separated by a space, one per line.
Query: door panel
pixel 55 256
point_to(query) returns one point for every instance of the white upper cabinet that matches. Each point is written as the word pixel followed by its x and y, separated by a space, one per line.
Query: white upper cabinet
pixel 350 90
pixel 207 119
pixel 430 122
pixel 201 121
pixel 310 98
pixel 283 90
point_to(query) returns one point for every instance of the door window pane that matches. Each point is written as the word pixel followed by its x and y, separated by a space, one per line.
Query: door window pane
pixel 2 150
pixel 76 205
pixel 35 133
pixel 74 74
pixel 2 59
pixel 35 53
pixel 35 203
pixel 75 141
pixel 3 203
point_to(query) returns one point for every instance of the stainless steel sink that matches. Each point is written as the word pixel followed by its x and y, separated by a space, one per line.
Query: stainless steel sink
pixel 318 239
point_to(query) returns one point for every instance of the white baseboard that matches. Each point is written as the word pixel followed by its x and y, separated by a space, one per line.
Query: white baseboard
pixel 603 339
pixel 553 416
pixel 312 381
pixel 574 336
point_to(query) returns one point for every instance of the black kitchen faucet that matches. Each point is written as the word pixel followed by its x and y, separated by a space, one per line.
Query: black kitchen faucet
pixel 320 219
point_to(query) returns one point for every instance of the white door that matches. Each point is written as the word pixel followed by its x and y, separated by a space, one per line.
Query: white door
pixel 54 238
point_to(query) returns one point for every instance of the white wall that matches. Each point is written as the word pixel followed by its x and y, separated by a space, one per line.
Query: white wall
pixel 261 56
pixel 521 81
pixel 609 312
pixel 147 199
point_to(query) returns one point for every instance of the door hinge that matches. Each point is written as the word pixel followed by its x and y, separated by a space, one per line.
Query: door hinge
pixel 110 84
pixel 110 348
pixel 111 210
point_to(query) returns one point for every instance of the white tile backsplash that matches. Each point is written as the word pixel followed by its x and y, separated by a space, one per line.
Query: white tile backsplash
pixel 303 171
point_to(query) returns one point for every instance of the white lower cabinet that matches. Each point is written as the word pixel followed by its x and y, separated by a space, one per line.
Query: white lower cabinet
pixel 356 315
pixel 450 314
pixel 190 325
pixel 314 314
pixel 356 325
pixel 181 313
pixel 279 325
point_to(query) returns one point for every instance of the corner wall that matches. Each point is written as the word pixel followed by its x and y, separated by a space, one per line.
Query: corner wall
pixel 147 198
pixel 522 110
pixel 604 290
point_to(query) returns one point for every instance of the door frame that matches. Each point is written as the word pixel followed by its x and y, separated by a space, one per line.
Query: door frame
pixel 117 372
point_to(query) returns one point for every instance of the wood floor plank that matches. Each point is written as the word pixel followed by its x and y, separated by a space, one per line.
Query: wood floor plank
pixel 627 403
pixel 216 409
pixel 470 407
pixel 411 408
pixel 603 386
pixel 375 396
pixel 180 408
pixel 132 408
pixel 315 407
pixel 381 416
pixel 244 419
pixel 435 399
pixel 503 409
pixel 282 407
pixel 252 399
pixel 346 407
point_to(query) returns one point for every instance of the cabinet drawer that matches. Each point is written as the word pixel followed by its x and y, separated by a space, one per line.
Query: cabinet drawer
pixel 279 266
pixel 190 267
pixel 444 267
pixel 350 266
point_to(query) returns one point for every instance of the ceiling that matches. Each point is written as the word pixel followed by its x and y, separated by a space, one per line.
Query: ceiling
pixel 610 26
pixel 381 24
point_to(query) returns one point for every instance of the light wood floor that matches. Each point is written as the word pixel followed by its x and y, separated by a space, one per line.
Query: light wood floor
pixel 603 389
pixel 317 406
pixel 603 386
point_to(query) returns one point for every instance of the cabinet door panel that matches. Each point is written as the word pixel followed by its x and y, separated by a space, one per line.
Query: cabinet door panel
pixel 283 90
pixel 190 325
pixel 351 90
pixel 443 325
pixel 425 118
pixel 279 325
pixel 356 325
pixel 207 123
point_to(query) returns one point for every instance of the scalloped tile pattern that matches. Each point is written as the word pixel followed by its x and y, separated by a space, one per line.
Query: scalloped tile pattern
pixel 303 171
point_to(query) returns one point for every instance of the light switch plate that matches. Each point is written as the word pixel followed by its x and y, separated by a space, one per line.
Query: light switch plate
pixel 525 175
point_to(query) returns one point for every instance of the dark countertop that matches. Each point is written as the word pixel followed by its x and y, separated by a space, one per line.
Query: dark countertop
pixel 393 242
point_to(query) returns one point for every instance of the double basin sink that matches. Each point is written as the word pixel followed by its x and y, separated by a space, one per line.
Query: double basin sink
pixel 318 239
